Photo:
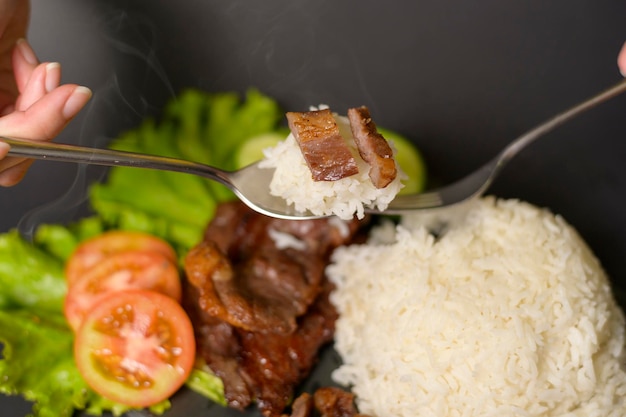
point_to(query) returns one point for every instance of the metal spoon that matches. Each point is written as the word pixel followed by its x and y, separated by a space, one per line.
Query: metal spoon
pixel 251 184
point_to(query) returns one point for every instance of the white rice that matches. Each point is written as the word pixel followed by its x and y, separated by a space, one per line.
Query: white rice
pixel 344 198
pixel 508 313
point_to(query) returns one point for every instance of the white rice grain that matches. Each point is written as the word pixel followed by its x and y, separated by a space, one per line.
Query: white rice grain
pixel 507 313
pixel 344 198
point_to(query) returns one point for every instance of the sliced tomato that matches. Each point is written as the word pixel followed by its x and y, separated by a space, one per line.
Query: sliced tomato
pixel 135 347
pixel 97 248
pixel 121 271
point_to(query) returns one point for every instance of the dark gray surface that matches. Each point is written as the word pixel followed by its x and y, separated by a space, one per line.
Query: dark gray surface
pixel 460 78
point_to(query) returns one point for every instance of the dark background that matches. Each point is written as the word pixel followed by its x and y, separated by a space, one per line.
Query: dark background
pixel 461 79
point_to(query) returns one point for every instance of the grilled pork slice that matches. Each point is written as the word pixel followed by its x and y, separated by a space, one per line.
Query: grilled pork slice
pixel 276 363
pixel 262 367
pixel 325 402
pixel 372 147
pixel 302 406
pixel 257 294
pixel 334 402
pixel 245 297
pixel 324 149
pixel 259 273
pixel 217 342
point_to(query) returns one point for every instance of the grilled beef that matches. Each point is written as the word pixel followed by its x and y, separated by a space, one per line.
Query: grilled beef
pixel 372 147
pixel 334 402
pixel 217 342
pixel 258 297
pixel 322 146
pixel 325 402
pixel 302 406
pixel 278 362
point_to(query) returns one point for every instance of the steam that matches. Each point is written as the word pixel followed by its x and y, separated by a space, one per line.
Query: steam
pixel 60 210
pixel 119 103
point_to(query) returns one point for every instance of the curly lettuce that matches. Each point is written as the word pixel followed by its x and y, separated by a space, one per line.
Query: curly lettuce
pixel 200 127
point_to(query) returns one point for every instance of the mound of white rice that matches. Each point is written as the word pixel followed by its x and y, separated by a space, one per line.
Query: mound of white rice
pixel 344 198
pixel 508 313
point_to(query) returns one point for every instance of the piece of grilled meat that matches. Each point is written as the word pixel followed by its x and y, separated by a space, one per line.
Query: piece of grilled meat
pixel 373 147
pixel 258 297
pixel 325 402
pixel 324 149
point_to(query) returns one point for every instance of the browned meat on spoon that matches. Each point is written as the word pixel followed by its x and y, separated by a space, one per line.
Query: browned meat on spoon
pixel 373 147
pixel 324 149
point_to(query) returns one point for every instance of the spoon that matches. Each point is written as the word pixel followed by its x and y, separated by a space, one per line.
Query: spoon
pixel 251 184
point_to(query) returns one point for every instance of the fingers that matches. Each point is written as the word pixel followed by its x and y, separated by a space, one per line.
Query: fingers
pixel 33 80
pixel 43 79
pixel 4 148
pixel 44 107
pixel 24 63
pixel 46 117
pixel 621 60
pixel 41 111
pixel 14 168
pixel 14 174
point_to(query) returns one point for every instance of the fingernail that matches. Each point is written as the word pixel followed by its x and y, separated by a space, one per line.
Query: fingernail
pixel 27 52
pixel 76 101
pixel 53 76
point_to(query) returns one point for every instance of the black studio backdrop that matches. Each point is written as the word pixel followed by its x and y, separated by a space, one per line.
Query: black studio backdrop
pixel 461 79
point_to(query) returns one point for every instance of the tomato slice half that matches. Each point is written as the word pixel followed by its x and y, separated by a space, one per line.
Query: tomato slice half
pixel 135 347
pixel 121 271
pixel 93 250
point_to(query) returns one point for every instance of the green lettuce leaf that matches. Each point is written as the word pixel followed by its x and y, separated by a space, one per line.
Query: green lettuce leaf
pixel 197 126
pixel 29 277
pixel 60 241
pixel 38 363
pixel 204 382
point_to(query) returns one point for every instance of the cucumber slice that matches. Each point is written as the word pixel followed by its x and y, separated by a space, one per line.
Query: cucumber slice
pixel 410 160
pixel 251 150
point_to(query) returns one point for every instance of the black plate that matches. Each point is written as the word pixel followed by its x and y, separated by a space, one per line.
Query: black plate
pixel 460 78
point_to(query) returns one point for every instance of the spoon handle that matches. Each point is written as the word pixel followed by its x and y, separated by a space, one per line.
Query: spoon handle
pixel 530 136
pixel 84 155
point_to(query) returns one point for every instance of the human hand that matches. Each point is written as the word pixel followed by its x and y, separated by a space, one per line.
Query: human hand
pixel 33 104
pixel 621 60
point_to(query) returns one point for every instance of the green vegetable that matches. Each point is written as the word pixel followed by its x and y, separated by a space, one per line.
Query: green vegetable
pixel 252 150
pixel 38 363
pixel 410 161
pixel 204 382
pixel 206 128
pixel 29 277
pixel 61 241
